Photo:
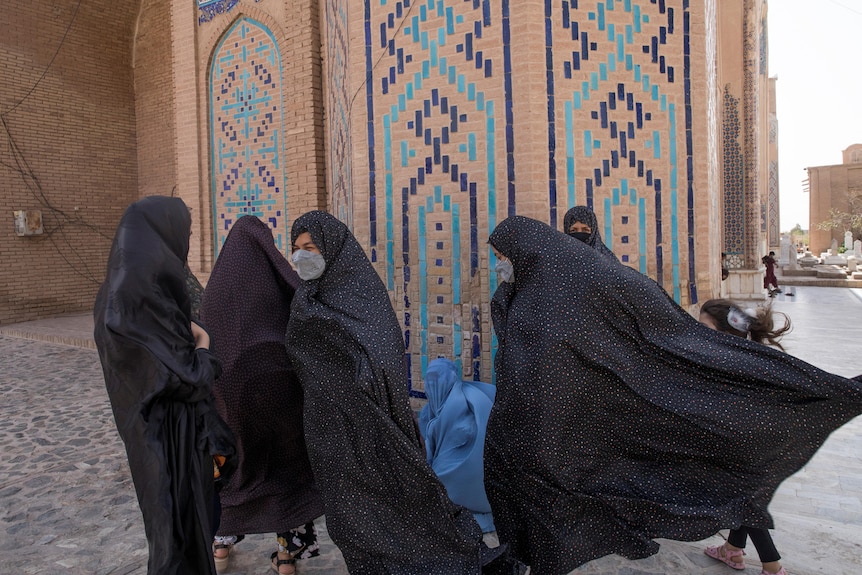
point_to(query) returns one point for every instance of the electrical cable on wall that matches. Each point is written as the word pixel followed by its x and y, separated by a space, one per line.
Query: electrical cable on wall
pixel 50 63
pixel 34 186
pixel 31 181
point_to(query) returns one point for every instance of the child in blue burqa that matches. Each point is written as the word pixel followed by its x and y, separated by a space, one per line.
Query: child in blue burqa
pixel 453 425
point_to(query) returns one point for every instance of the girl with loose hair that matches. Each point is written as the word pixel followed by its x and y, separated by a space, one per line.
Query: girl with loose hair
pixel 757 325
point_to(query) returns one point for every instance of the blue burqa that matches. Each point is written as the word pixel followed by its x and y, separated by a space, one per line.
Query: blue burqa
pixel 453 424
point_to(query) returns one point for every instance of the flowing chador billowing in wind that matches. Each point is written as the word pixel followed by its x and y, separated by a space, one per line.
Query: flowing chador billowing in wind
pixel 619 418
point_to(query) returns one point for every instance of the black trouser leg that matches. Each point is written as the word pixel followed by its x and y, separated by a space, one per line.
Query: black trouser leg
pixel 761 539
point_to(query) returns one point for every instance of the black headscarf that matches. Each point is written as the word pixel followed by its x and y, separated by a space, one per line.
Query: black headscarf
pixel 619 418
pixel 246 306
pixel 196 293
pixel 159 385
pixel 585 215
pixel 385 508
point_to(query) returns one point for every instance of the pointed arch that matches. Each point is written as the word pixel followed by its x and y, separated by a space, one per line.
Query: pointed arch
pixel 246 140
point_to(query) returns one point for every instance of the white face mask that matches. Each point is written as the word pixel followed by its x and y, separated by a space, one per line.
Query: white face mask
pixel 309 265
pixel 505 270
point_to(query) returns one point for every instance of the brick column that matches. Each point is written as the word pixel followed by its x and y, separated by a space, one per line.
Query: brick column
pixel 190 158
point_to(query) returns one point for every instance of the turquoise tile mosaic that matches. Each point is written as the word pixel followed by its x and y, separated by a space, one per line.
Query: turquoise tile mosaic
pixel 613 71
pixel 438 99
pixel 246 142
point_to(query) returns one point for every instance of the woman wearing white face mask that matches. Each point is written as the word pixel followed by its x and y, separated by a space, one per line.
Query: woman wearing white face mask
pixel 385 508
pixel 307 259
pixel 504 268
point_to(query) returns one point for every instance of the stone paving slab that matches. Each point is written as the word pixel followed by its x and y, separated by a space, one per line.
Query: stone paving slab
pixel 67 504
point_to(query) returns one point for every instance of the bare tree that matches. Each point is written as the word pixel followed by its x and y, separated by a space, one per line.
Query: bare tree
pixel 850 220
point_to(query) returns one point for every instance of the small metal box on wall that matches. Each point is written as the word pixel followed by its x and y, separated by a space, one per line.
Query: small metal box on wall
pixel 28 222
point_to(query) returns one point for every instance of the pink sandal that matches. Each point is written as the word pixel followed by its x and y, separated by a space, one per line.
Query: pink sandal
pixel 726 556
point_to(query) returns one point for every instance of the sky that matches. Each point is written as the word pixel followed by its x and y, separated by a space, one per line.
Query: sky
pixel 812 52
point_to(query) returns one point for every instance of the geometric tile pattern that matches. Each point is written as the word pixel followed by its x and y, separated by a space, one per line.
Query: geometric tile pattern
pixel 753 84
pixel 733 183
pixel 441 168
pixel 246 139
pixel 209 9
pixel 754 170
pixel 620 107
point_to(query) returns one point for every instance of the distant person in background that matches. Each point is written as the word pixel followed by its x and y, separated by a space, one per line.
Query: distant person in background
pixel 159 375
pixel 769 279
pixel 757 325
pixel 582 224
pixel 725 273
pixel 453 425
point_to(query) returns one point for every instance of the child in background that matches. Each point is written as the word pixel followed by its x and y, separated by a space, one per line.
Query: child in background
pixel 757 325
pixel 769 279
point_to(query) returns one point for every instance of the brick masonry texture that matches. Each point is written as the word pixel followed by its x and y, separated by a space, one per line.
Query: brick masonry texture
pixel 67 148
pixel 420 123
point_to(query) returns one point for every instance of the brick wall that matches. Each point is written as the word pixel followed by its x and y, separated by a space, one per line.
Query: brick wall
pixel 154 97
pixel 67 148
pixel 462 122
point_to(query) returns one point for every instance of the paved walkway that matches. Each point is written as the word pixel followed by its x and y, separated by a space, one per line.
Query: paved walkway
pixel 68 504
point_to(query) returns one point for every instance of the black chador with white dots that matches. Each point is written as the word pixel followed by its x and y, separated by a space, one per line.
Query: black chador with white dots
pixel 385 508
pixel 619 418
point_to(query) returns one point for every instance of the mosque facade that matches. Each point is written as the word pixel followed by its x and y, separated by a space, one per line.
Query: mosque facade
pixel 419 123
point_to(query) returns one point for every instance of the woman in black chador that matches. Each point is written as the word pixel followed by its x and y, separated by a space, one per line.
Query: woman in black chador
pixel 246 307
pixel 159 376
pixel 581 223
pixel 385 508
pixel 619 418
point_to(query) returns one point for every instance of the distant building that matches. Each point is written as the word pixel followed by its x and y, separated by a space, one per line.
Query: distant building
pixel 837 187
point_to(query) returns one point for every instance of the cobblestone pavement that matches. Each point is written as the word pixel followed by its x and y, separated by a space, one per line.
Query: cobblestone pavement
pixel 68 504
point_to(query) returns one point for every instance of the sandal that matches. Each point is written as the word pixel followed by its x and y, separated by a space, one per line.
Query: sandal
pixel 221 554
pixel 277 563
pixel 726 556
pixel 222 548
